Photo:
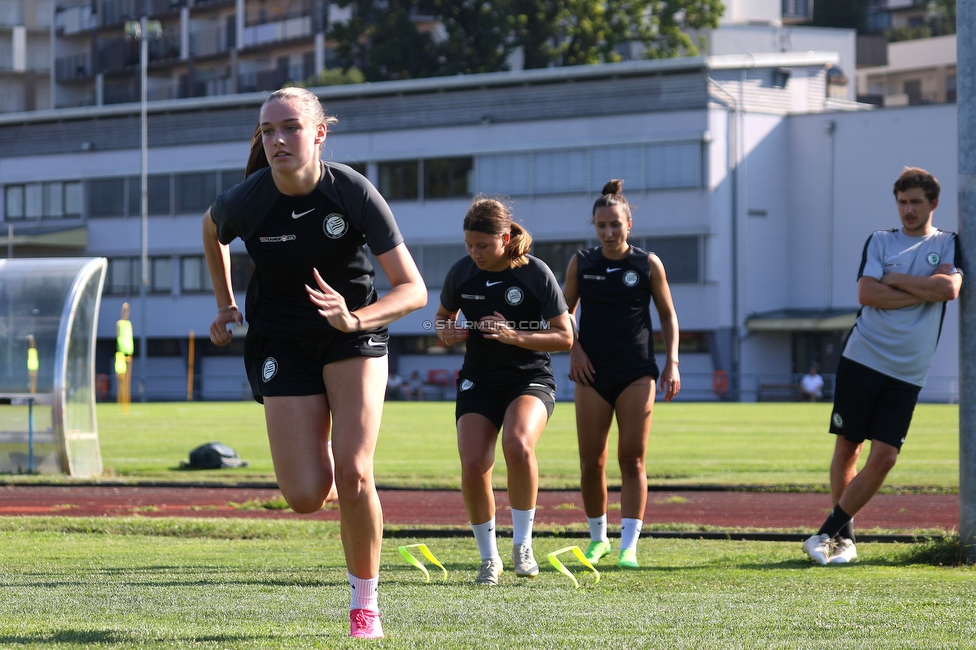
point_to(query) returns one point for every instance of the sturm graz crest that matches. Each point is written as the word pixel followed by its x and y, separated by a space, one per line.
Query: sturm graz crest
pixel 513 296
pixel 269 370
pixel 933 259
pixel 335 225
pixel 630 278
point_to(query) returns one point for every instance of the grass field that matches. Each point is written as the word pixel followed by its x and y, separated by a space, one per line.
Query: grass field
pixel 245 583
pixel 157 583
pixel 775 445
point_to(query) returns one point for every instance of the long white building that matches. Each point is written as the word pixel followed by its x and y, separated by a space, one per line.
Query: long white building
pixel 755 188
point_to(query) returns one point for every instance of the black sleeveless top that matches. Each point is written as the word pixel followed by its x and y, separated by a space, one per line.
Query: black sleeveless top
pixel 615 302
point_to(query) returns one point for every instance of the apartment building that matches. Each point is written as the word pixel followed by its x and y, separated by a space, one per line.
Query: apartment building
pixel 25 55
pixel 921 71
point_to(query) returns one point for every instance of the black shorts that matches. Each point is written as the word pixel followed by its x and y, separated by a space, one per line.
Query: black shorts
pixel 869 405
pixel 293 368
pixel 493 401
pixel 610 383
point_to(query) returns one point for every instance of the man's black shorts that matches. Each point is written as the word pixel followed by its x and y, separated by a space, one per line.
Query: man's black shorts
pixel 869 405
pixel 292 368
pixel 493 401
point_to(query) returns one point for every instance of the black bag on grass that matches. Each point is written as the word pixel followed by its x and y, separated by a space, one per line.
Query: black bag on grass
pixel 213 455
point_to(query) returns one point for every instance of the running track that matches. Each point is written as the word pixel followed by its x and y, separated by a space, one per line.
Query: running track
pixel 411 508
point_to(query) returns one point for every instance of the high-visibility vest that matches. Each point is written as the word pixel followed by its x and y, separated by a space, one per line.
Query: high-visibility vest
pixel 125 343
pixel 32 364
pixel 121 367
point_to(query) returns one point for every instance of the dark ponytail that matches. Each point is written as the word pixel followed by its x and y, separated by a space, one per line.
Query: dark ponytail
pixel 612 195
pixel 492 217
pixel 256 159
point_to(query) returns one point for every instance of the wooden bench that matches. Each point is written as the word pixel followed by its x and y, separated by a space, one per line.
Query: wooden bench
pixel 778 393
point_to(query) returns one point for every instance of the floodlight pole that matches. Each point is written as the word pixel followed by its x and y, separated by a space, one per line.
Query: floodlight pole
pixel 966 107
pixel 141 30
pixel 144 91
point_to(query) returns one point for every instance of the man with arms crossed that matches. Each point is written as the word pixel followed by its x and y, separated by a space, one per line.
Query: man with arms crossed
pixel 905 279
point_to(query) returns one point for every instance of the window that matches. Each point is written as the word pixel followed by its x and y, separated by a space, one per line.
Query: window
pixel 447 177
pixel 106 197
pixel 617 162
pixel 14 202
pixel 507 174
pixel 124 276
pixel 673 165
pixel 559 172
pixel 160 275
pixel 913 89
pixel 556 255
pixel 195 192
pixel 72 199
pixel 53 199
pixel 158 195
pixel 950 88
pixel 680 255
pixel 194 275
pixel 33 200
pixel 437 259
pixel 398 180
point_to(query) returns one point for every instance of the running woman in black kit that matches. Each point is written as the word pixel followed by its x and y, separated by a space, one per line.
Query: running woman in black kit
pixel 612 363
pixel 514 316
pixel 317 329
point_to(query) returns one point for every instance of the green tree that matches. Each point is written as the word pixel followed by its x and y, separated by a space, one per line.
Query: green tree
pixel 477 36
pixel 577 32
pixel 383 41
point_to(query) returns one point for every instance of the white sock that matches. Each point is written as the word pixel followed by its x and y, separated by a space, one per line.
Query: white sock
pixel 598 528
pixel 484 534
pixel 629 532
pixel 365 592
pixel 522 526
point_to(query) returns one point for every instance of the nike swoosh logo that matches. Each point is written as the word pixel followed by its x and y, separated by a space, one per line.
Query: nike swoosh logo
pixel 491 284
pixel 373 343
pixel 302 214
pixel 609 270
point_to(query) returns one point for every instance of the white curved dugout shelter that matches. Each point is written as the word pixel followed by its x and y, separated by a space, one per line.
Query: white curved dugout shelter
pixel 52 429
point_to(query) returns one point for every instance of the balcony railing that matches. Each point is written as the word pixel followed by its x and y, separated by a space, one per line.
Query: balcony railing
pixel 281 30
pixel 74 67
pixel 76 19
pixel 209 40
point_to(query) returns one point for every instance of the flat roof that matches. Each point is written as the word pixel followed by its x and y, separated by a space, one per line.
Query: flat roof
pixel 542 76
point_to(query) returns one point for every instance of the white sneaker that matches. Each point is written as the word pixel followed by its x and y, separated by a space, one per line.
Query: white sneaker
pixel 525 564
pixel 843 553
pixel 818 547
pixel 489 571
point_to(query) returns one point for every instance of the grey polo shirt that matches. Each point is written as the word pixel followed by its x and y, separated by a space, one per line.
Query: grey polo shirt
pixel 900 342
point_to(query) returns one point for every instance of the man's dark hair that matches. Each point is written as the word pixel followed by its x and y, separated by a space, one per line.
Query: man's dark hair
pixel 916 177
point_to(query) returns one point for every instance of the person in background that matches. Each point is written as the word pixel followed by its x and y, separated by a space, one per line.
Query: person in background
pixel 515 316
pixel 811 385
pixel 906 277
pixel 613 365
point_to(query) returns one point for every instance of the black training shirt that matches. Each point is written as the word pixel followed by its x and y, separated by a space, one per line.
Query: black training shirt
pixel 527 296
pixel 615 300
pixel 287 236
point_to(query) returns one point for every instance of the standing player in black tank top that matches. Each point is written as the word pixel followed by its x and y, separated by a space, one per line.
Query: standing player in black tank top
pixel 612 363
pixel 315 356
pixel 515 315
